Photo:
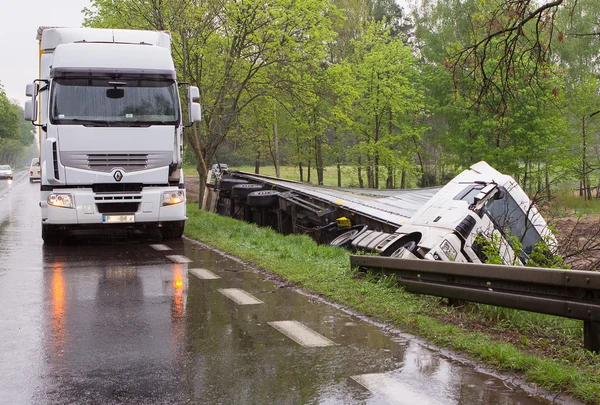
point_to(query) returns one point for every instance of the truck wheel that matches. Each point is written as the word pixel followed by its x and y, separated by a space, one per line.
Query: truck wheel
pixel 409 243
pixel 347 237
pixel 227 184
pixel 172 230
pixel 49 235
pixel 263 198
pixel 242 190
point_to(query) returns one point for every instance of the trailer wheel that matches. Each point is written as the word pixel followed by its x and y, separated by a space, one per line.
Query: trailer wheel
pixel 227 184
pixel 263 198
pixel 347 237
pixel 242 190
pixel 172 230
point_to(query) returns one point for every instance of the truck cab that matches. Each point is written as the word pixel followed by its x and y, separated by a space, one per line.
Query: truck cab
pixel 480 205
pixel 111 131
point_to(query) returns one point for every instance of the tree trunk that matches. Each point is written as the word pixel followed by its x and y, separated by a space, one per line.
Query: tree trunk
pixel 276 144
pixel 339 175
pixel 361 183
pixel 257 163
pixel 319 160
pixel 301 169
pixel 308 168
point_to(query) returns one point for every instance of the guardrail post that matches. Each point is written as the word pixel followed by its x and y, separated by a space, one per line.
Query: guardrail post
pixel 591 336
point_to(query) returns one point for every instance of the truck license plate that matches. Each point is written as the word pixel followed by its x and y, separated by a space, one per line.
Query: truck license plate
pixel 117 219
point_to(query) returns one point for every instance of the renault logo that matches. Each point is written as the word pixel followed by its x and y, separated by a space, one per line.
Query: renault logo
pixel 118 175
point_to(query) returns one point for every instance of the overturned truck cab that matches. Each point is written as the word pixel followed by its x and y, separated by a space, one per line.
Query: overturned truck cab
pixel 478 207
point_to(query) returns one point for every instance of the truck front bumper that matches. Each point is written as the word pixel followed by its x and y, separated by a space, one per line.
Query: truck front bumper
pixel 93 208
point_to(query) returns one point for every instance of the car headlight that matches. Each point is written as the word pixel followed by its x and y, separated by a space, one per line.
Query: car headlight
pixel 448 250
pixel 63 200
pixel 173 197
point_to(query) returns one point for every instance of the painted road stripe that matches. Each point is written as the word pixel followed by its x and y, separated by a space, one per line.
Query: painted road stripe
pixel 160 247
pixel 179 259
pixel 301 334
pixel 239 296
pixel 393 391
pixel 203 274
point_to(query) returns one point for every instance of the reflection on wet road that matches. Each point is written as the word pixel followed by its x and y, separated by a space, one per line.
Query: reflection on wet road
pixel 173 322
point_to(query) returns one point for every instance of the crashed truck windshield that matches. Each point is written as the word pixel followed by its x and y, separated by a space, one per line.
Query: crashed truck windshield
pixel 511 220
pixel 114 102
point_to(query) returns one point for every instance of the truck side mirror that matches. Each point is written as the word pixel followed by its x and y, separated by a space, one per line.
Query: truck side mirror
pixel 31 90
pixel 30 111
pixel 193 94
pixel 195 113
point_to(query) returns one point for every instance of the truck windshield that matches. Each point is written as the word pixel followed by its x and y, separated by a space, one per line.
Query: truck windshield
pixel 511 220
pixel 114 102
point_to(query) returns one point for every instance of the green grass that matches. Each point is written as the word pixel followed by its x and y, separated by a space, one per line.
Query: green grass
pixel 548 351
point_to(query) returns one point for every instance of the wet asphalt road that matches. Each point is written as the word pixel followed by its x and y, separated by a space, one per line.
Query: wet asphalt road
pixel 119 322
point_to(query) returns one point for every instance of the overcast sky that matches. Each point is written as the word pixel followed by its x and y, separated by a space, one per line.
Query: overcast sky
pixel 19 22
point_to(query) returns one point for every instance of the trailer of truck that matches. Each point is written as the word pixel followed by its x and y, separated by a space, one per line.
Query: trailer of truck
pixel 110 132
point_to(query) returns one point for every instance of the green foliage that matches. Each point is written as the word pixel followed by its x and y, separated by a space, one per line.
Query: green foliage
pixel 542 254
pixel 15 134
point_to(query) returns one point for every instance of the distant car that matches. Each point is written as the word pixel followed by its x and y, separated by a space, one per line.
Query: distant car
pixel 6 172
pixel 219 167
pixel 34 170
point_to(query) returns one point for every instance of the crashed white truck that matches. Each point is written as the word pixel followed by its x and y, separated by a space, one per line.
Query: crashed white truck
pixel 451 223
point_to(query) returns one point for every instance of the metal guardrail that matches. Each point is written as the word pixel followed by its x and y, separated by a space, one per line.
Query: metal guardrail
pixel 571 294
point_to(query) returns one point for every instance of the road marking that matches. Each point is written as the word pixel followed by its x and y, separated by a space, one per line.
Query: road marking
pixel 179 259
pixel 160 247
pixel 301 334
pixel 392 390
pixel 203 274
pixel 239 296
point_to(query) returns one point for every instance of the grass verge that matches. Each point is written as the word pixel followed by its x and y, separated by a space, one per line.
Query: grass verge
pixel 546 350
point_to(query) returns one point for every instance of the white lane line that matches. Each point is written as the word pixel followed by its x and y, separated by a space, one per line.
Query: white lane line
pixel 160 247
pixel 203 274
pixel 393 391
pixel 179 259
pixel 239 296
pixel 301 334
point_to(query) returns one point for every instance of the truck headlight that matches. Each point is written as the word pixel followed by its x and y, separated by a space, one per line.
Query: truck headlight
pixel 173 197
pixel 448 250
pixel 63 200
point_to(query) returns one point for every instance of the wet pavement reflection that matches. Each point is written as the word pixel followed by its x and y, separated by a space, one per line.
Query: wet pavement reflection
pixel 120 322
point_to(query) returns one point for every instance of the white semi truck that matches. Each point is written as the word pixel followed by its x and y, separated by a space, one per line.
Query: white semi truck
pixel 110 131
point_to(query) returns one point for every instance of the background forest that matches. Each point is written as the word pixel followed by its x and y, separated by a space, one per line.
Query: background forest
pixel 389 96
pixel 16 135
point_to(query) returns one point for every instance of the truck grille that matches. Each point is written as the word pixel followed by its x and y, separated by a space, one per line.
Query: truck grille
pixel 104 162
pixel 117 203
pixel 117 208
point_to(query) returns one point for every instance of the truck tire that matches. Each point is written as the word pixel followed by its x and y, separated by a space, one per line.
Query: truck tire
pixel 227 184
pixel 172 230
pixel 263 198
pixel 242 190
pixel 345 238
pixel 49 235
pixel 408 243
